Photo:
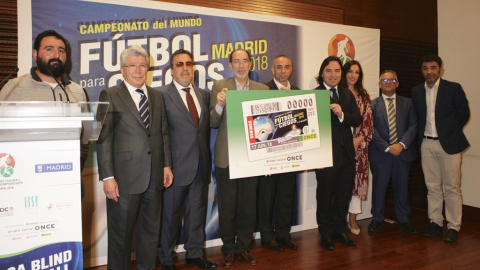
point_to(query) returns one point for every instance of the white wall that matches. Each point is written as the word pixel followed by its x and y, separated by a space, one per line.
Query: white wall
pixel 458 41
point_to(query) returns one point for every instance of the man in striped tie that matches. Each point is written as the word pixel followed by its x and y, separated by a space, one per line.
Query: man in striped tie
pixel 391 151
pixel 134 162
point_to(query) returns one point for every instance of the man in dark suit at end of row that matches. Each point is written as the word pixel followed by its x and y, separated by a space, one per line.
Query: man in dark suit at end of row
pixel 443 112
pixel 188 119
pixel 278 186
pixel 134 162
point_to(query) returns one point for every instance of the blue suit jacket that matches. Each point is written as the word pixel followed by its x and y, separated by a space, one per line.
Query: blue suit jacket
pixel 190 144
pixel 407 126
pixel 451 115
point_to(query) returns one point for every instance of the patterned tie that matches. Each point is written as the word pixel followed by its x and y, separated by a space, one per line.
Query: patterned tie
pixel 191 106
pixel 143 108
pixel 334 98
pixel 392 121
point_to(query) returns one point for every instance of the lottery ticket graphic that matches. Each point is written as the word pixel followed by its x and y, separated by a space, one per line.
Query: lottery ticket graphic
pixel 280 126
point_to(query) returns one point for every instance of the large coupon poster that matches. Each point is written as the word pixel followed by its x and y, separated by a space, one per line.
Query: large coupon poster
pixel 272 132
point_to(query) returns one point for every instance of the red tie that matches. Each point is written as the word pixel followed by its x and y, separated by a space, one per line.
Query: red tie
pixel 191 106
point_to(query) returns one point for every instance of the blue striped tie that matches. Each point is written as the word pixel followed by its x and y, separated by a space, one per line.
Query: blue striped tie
pixel 143 108
pixel 392 122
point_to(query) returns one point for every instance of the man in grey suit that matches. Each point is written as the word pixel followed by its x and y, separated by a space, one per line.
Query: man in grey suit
pixel 188 119
pixel 279 187
pixel 392 151
pixel 134 162
pixel 237 198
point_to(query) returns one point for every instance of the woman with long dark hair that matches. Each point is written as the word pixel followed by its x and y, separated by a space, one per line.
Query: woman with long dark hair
pixel 352 78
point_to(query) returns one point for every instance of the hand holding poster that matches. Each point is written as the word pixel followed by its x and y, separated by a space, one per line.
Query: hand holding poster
pixel 279 126
pixel 273 132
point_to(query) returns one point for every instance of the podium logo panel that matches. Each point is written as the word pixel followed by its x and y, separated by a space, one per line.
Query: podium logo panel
pixel 7 164
pixel 53 167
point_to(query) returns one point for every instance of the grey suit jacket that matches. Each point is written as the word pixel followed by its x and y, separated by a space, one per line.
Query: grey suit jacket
pixel 407 127
pixel 126 149
pixel 220 120
pixel 190 144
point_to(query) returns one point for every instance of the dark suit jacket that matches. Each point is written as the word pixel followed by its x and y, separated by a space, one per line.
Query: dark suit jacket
pixel 220 120
pixel 407 126
pixel 126 149
pixel 190 144
pixel 451 115
pixel 271 84
pixel 342 132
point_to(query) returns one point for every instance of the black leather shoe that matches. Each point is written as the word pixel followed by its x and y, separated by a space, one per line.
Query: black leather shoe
pixel 433 230
pixel 374 226
pixel 273 245
pixel 408 227
pixel 451 236
pixel 327 243
pixel 343 238
pixel 169 267
pixel 201 263
pixel 287 242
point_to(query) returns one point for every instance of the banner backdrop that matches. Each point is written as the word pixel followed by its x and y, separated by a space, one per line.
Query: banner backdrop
pixel 99 30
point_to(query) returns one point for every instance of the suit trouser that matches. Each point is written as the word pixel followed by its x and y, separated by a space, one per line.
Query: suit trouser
pixel 237 210
pixel 281 186
pixel 399 171
pixel 443 179
pixel 191 198
pixel 334 191
pixel 143 209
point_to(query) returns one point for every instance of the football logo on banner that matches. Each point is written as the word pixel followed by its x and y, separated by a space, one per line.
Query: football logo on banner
pixel 7 163
pixel 342 46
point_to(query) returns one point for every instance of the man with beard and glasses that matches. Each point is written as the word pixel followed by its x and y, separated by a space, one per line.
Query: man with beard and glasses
pixel 47 81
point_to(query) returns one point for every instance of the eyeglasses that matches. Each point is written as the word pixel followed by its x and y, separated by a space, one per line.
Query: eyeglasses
pixel 238 61
pixel 181 64
pixel 389 80
pixel 133 67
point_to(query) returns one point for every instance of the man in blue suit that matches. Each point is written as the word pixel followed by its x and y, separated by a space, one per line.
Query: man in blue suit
pixel 391 151
pixel 188 120
pixel 443 112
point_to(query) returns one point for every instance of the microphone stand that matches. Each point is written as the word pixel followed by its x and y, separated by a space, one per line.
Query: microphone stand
pixel 15 69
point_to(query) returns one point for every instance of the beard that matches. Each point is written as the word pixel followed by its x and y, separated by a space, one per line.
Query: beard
pixel 54 67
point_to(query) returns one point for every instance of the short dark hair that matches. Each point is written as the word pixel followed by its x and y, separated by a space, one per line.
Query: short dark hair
pixel 281 55
pixel 388 71
pixel 248 53
pixel 49 33
pixel 324 64
pixel 431 58
pixel 180 51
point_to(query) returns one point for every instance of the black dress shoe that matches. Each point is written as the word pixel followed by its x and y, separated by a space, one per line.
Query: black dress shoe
pixel 169 267
pixel 451 236
pixel 327 243
pixel 433 230
pixel 343 238
pixel 408 227
pixel 201 263
pixel 374 226
pixel 273 245
pixel 287 242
